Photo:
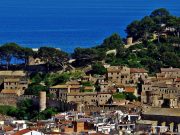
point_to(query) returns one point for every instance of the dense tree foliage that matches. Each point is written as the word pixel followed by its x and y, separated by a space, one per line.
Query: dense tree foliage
pixel 10 53
pixel 124 95
pixel 53 57
pixel 86 56
pixel 150 54
pixel 28 110
pixel 12 50
pixel 159 21
pixel 99 69
pixel 112 42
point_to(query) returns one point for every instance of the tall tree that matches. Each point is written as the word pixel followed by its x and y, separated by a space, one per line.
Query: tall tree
pixel 146 26
pixel 174 25
pixel 112 42
pixel 132 30
pixel 53 57
pixel 9 51
pixel 160 15
pixel 85 56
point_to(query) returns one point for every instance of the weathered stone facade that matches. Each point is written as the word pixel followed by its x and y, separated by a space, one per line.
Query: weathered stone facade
pixel 13 82
pixel 12 100
pixel 162 91
pixel 138 73
pixel 118 74
pixel 89 98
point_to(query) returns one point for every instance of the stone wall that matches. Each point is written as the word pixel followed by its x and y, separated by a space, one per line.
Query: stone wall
pixel 8 99
pixel 12 100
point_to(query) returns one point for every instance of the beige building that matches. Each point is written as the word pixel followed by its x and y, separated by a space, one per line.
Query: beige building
pixel 118 74
pixel 138 73
pixel 60 91
pixel 161 95
pixel 104 87
pixel 163 90
pixel 13 82
pixel 86 78
pixel 35 61
pixel 89 98
pixel 170 72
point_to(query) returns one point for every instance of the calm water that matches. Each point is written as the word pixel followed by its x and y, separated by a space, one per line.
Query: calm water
pixel 68 24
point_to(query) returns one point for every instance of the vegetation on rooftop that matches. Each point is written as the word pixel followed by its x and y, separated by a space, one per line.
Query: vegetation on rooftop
pixel 124 95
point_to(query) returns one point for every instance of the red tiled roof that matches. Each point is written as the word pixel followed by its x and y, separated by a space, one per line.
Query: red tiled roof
pixel 8 91
pixel 55 133
pixel 138 70
pixel 178 80
pixel 8 128
pixel 21 132
pixel 129 89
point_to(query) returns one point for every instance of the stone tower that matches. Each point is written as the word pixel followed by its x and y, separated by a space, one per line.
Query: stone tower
pixel 42 101
pixel 129 40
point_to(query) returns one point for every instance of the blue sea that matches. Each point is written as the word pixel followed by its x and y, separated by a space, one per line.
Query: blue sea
pixel 68 24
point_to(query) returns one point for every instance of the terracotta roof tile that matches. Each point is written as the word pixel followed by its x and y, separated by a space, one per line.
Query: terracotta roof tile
pixel 21 132
pixel 129 89
pixel 8 128
pixel 7 91
pixel 178 80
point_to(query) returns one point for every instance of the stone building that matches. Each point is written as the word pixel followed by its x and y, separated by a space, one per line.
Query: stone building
pixel 138 73
pixel 161 95
pixel 162 90
pixel 104 87
pixel 89 98
pixel 169 117
pixel 89 89
pixel 170 72
pixel 86 78
pixel 35 61
pixel 60 91
pixel 13 82
pixel 118 74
